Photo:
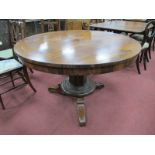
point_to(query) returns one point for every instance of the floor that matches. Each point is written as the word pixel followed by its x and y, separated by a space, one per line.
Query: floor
pixel 125 106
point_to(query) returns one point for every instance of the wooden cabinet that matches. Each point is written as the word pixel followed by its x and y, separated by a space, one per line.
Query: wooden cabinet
pixel 73 24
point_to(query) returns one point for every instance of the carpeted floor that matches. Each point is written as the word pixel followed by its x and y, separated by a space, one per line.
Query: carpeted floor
pixel 125 106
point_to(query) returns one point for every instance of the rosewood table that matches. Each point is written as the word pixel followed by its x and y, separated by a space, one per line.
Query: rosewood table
pixel 121 26
pixel 77 54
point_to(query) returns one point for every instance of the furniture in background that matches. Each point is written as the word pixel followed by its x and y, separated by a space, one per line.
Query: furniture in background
pixel 128 27
pixel 49 25
pixel 147 36
pixel 87 22
pixel 62 24
pixel 4 35
pixel 72 24
pixel 121 26
pixel 33 29
pixel 16 31
pixel 78 54
pixel 146 40
pixel 79 24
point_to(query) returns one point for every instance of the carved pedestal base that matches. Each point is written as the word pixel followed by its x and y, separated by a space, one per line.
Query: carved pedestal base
pixel 77 86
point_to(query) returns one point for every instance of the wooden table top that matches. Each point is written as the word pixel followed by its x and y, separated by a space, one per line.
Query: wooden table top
pixel 68 52
pixel 122 26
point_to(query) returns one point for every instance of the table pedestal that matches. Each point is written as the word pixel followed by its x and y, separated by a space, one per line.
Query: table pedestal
pixel 77 86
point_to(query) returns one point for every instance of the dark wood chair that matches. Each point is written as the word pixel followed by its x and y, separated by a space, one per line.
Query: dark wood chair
pixel 17 32
pixel 146 40
pixel 8 69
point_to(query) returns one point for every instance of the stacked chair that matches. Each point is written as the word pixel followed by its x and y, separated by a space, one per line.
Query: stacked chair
pixel 11 69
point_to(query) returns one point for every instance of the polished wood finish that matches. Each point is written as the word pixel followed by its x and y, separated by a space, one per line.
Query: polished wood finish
pixel 121 26
pixel 77 54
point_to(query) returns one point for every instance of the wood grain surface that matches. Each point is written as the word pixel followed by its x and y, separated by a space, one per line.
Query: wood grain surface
pixel 77 52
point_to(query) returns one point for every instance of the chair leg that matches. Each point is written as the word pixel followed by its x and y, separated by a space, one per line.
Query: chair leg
pixel 31 70
pixel 144 60
pixel 12 79
pixel 22 76
pixel 141 56
pixel 146 55
pixel 149 50
pixel 3 107
pixel 28 79
pixel 137 64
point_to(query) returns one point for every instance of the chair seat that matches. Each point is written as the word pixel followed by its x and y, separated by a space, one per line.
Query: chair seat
pixel 145 46
pixel 6 54
pixel 9 65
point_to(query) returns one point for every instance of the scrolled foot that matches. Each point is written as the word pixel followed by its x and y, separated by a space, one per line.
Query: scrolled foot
pixel 99 85
pixel 56 89
pixel 81 111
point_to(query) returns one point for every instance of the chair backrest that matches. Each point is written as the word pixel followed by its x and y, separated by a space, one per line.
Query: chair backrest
pixel 17 30
pixel 148 20
pixel 149 32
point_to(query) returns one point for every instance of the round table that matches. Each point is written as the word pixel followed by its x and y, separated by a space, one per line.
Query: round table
pixel 77 54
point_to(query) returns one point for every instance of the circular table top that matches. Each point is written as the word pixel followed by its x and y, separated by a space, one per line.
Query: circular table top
pixel 67 52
